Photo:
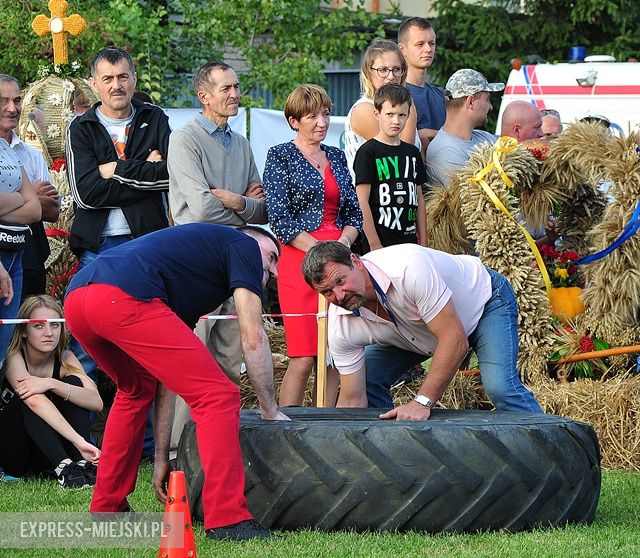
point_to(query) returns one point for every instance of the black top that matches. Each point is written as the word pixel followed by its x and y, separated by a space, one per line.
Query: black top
pixel 394 173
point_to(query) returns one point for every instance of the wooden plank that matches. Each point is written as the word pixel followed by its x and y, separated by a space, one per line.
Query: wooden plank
pixel 321 363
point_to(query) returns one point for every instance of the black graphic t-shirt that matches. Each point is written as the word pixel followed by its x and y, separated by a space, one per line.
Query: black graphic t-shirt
pixel 394 172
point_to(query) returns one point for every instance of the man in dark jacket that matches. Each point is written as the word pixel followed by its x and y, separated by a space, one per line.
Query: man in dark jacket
pixel 116 156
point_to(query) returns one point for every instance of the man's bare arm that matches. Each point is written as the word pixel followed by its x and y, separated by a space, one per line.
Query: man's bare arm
pixel 353 390
pixel 451 349
pixel 257 352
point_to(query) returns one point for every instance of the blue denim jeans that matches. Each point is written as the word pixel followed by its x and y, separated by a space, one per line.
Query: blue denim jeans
pixel 495 342
pixel 87 362
pixel 12 262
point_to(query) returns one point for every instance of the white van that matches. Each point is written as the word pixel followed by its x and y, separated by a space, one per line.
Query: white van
pixel 595 87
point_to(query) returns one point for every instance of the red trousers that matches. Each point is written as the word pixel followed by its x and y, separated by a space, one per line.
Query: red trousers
pixel 139 344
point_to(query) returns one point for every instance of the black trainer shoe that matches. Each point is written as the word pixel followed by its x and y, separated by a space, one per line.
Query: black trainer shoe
pixel 243 531
pixel 72 477
pixel 89 470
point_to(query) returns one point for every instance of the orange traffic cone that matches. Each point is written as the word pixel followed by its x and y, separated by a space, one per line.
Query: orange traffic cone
pixel 177 521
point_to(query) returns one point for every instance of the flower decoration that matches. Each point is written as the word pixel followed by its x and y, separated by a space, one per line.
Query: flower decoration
pixel 538 148
pixel 55 99
pixel 570 339
pixel 561 266
pixel 540 153
pixel 59 165
pixel 71 69
pixel 53 131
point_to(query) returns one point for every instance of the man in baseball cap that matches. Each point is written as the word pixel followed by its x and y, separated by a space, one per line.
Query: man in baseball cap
pixel 467 93
pixel 467 82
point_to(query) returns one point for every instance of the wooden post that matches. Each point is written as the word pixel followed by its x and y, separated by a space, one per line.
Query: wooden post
pixel 612 351
pixel 321 364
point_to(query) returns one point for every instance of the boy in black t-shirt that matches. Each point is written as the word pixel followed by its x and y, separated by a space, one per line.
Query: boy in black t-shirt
pixel 389 176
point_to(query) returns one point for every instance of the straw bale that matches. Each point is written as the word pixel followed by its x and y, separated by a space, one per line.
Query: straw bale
pixel 576 156
pixel 61 260
pixel 248 398
pixel 445 227
pixel 612 407
pixel 578 215
pixel 464 392
pixel 502 246
pixel 612 291
pixel 53 96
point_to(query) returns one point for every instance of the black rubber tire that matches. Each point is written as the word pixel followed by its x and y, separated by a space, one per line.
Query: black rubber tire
pixel 460 471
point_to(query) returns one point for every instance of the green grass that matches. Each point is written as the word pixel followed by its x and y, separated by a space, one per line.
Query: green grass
pixel 615 532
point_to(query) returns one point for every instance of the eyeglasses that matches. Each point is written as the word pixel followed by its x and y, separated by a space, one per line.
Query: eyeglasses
pixel 553 112
pixel 384 72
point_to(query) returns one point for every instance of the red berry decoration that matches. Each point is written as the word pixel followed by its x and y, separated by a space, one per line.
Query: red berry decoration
pixel 586 344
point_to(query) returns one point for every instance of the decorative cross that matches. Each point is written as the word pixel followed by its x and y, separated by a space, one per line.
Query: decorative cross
pixel 59 26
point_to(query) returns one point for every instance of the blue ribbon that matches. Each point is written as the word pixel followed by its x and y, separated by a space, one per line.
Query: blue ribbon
pixel 631 228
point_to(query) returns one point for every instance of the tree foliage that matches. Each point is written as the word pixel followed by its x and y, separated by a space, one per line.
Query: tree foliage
pixel 487 35
pixel 283 42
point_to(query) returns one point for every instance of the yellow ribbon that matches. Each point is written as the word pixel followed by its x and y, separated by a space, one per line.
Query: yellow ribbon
pixel 504 145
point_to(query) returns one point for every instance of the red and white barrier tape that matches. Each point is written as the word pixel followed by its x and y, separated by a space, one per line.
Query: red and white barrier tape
pixel 25 321
pixel 317 315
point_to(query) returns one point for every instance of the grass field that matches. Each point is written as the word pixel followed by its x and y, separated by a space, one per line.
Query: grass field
pixel 614 534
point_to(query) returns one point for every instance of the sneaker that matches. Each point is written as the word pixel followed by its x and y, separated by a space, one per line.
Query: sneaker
pixel 5 477
pixel 72 477
pixel 89 470
pixel 243 531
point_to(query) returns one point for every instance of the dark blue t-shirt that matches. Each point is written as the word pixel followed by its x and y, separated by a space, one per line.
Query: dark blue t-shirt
pixel 193 268
pixel 430 105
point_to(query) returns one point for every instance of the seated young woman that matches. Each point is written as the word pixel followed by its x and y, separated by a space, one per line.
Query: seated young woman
pixel 46 400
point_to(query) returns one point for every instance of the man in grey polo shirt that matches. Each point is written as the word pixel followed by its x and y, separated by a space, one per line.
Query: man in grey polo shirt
pixel 213 178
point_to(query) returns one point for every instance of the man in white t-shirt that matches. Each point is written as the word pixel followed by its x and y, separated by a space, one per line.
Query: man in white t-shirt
pixel 393 307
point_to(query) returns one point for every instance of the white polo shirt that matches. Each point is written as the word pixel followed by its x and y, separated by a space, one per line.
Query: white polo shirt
pixel 418 283
pixel 31 159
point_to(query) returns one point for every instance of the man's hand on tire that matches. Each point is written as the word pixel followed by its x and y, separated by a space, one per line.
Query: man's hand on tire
pixel 408 411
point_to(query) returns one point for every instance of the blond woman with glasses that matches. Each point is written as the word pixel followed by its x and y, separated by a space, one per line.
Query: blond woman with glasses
pixel 382 63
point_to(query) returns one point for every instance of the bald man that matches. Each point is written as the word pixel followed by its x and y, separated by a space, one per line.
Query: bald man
pixel 521 120
pixel 551 123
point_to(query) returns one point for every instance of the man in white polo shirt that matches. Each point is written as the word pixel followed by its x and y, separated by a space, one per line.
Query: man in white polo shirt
pixel 393 307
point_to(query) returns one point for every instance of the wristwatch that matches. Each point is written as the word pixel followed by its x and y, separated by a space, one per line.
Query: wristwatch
pixel 423 400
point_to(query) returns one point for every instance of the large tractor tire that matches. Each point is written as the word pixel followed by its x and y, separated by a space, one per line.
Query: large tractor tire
pixel 460 471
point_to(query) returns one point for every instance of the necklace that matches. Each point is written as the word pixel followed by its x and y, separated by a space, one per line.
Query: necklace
pixel 311 159
pixel 377 318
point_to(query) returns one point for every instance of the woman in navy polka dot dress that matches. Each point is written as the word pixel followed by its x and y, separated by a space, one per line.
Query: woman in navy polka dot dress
pixel 310 197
